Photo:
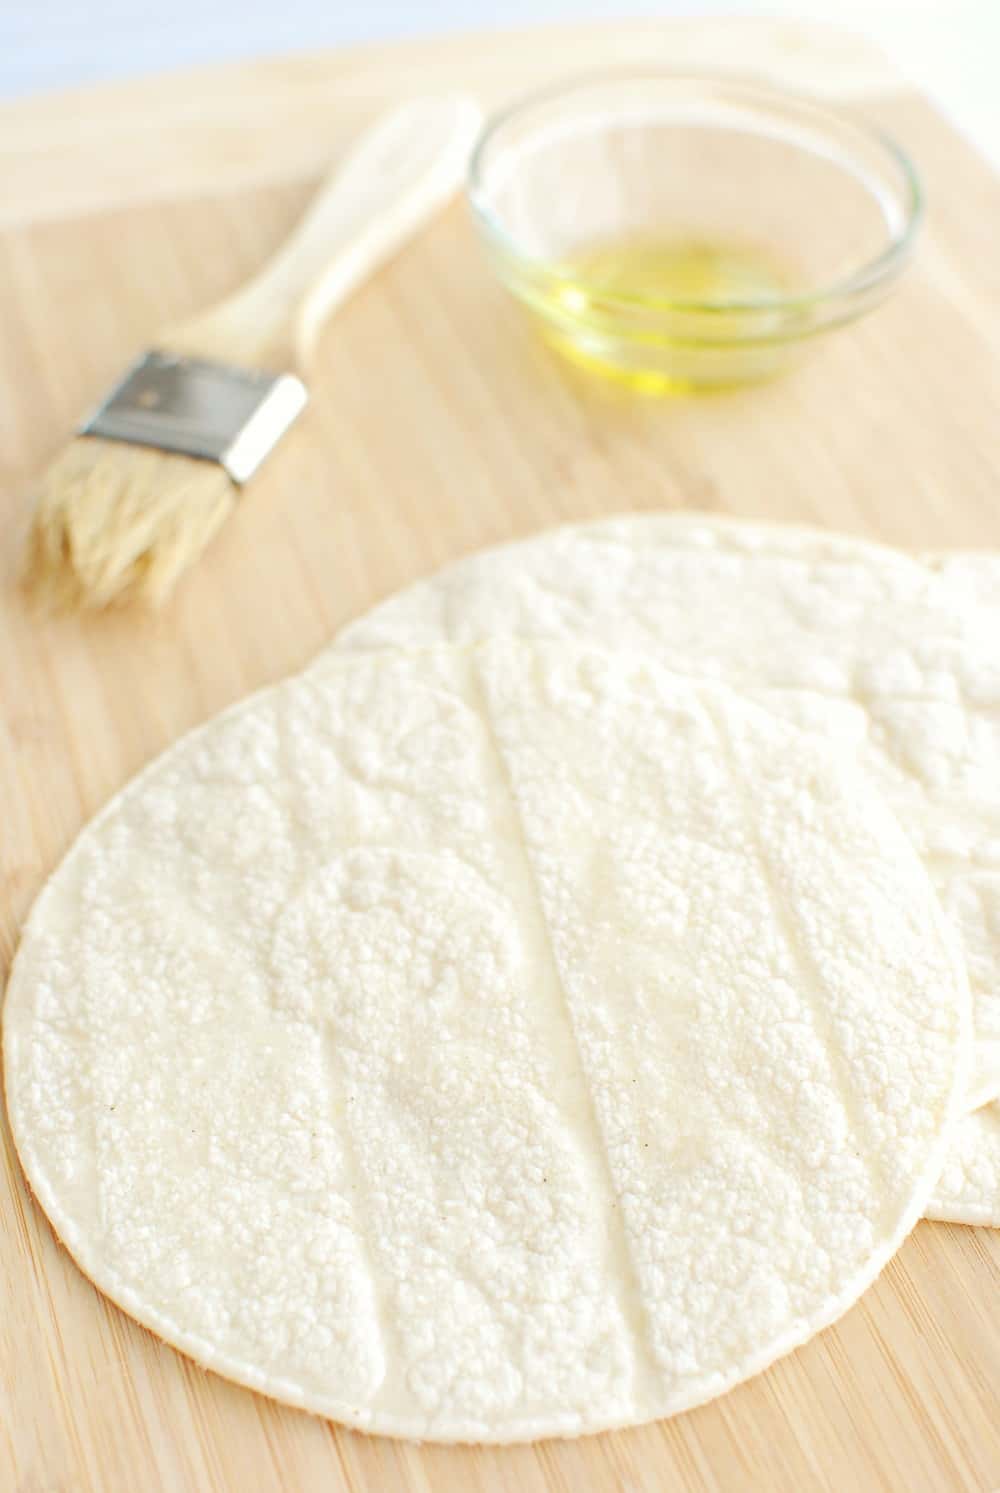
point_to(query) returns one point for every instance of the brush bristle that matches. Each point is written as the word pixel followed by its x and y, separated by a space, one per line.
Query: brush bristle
pixel 117 523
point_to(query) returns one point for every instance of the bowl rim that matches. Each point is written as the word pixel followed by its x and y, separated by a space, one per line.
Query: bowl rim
pixel 865 277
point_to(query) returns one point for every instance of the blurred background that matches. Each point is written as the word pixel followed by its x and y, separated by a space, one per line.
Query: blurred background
pixel 951 48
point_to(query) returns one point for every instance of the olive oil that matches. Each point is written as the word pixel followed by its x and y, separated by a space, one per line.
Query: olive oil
pixel 665 313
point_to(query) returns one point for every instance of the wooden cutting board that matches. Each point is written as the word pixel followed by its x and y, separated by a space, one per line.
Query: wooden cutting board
pixel 439 425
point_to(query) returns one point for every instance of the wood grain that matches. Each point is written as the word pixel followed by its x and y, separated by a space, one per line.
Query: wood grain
pixel 438 425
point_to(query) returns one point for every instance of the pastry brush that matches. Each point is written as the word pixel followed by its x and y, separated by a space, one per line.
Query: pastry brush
pixel 159 466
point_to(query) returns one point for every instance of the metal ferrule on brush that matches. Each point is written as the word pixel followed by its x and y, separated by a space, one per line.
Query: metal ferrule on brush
pixel 233 416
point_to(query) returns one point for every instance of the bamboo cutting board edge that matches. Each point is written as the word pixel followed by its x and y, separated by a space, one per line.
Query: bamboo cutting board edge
pixel 242 125
pixel 468 433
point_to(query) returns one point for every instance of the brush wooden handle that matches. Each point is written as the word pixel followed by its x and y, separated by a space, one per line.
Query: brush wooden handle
pixel 402 171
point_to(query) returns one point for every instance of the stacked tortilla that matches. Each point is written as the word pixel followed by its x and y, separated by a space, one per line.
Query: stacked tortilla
pixel 555 1003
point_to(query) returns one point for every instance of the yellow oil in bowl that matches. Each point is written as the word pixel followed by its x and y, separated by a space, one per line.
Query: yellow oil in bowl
pixel 685 231
pixel 664 314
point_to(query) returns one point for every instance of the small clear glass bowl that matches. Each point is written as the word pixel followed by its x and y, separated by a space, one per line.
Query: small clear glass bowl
pixel 682 232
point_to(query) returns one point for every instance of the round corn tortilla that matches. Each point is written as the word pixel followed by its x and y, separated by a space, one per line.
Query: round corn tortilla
pixel 482 1044
pixel 896 656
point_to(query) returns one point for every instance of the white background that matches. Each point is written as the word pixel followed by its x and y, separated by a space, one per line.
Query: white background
pixel 950 47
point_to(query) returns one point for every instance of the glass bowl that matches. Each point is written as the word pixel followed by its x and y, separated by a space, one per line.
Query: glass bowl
pixel 682 232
